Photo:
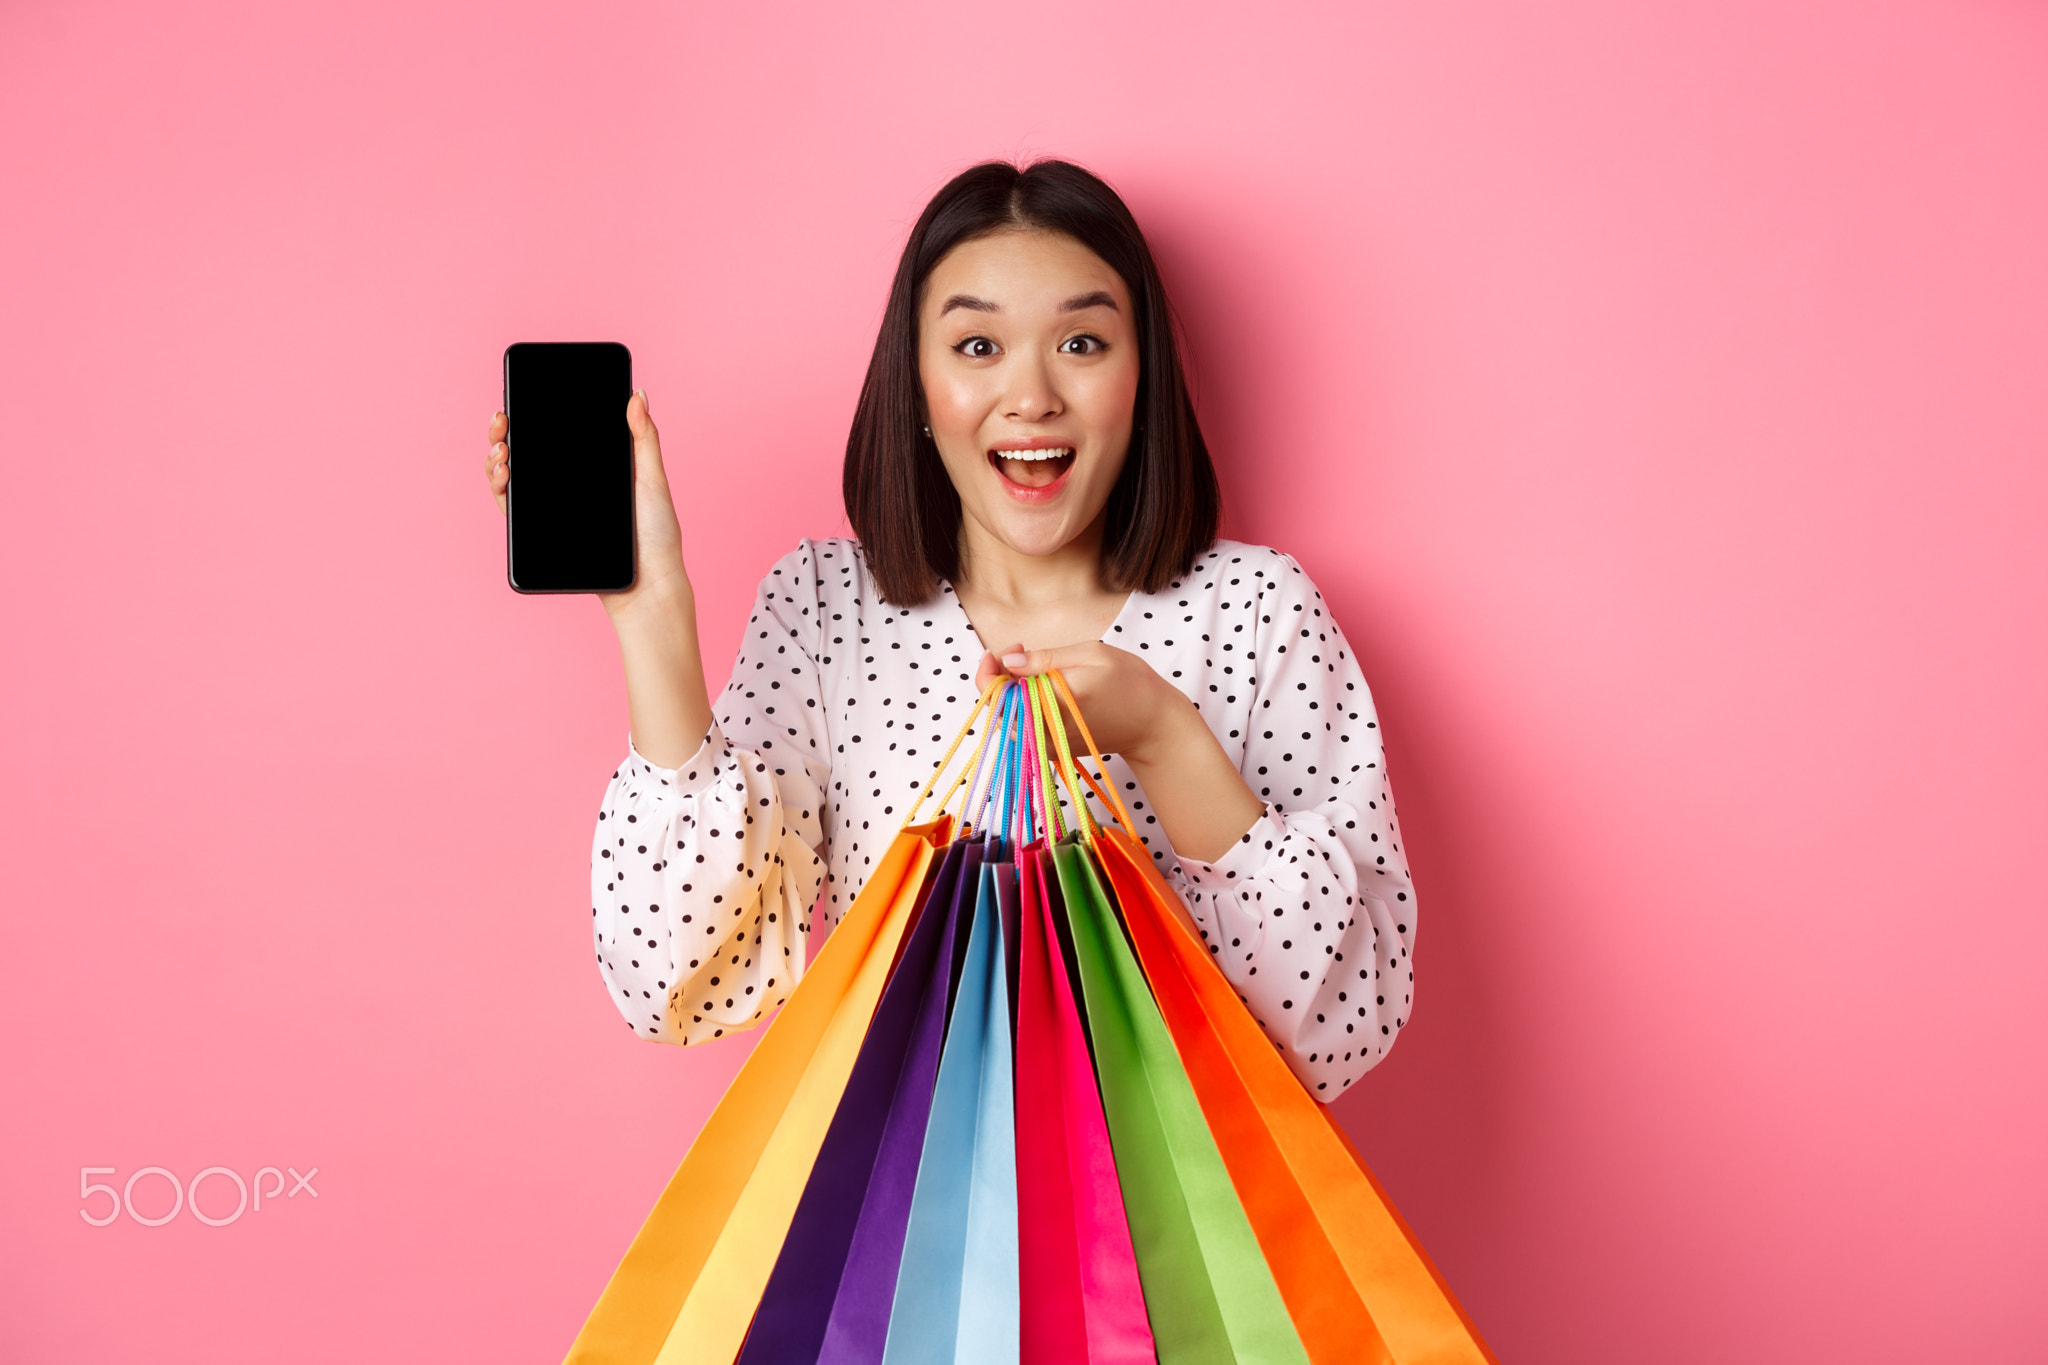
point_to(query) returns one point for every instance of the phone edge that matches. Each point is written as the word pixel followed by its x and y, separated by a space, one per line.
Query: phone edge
pixel 632 480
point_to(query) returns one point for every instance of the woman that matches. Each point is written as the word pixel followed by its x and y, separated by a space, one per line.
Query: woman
pixel 1030 490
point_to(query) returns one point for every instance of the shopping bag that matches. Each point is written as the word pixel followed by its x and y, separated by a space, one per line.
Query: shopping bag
pixel 891 1080
pixel 1081 1298
pixel 956 1289
pixel 758 1142
pixel 1208 1292
pixel 858 1328
pixel 1357 1284
pixel 687 1288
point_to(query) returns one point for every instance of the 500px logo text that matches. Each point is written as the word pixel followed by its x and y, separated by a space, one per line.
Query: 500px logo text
pixel 185 1196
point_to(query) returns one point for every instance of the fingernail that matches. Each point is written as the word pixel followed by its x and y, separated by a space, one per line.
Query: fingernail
pixel 1016 660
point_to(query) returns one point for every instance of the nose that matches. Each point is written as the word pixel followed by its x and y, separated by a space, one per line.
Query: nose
pixel 1031 396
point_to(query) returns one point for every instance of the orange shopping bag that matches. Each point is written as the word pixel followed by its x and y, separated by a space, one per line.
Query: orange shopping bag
pixel 689 1284
pixel 722 1214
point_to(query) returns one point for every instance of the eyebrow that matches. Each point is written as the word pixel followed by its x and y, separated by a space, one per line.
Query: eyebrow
pixel 1101 298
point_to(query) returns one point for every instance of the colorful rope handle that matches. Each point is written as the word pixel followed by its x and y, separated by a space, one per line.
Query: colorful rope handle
pixel 1019 817
pixel 1002 784
pixel 1068 769
pixel 987 774
pixel 1109 798
pixel 1029 764
pixel 1042 766
pixel 986 701
pixel 1046 686
pixel 1034 762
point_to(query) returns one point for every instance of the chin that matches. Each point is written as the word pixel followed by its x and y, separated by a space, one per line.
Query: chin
pixel 1033 536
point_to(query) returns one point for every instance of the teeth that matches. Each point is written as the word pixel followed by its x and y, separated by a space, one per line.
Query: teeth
pixel 1053 454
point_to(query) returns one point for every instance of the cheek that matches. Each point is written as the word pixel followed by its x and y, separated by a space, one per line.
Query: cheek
pixel 955 419
pixel 955 404
pixel 1109 396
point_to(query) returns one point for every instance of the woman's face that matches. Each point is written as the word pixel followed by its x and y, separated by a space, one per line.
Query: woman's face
pixel 1029 356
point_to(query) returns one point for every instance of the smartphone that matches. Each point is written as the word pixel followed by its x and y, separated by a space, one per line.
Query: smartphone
pixel 569 505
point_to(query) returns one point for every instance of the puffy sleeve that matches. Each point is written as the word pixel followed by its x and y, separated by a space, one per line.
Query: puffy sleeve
pixel 702 876
pixel 1312 915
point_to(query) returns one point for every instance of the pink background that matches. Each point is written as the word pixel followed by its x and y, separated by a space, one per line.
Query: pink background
pixel 1657 392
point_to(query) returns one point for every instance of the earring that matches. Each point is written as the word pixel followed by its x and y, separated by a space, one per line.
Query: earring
pixel 927 431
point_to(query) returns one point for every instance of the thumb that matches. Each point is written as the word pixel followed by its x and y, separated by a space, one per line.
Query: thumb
pixel 646 440
pixel 992 667
pixel 1022 662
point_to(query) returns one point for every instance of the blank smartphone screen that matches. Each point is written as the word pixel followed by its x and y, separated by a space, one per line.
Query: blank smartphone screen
pixel 569 506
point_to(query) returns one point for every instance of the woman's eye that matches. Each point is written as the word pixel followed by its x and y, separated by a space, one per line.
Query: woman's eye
pixel 1082 345
pixel 976 348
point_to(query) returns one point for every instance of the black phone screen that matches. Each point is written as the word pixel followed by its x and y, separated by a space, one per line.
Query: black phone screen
pixel 569 505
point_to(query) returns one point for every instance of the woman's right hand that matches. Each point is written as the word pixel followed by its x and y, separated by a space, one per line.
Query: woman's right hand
pixel 667 701
pixel 662 584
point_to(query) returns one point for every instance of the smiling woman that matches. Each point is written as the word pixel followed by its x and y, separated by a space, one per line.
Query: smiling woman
pixel 1036 395
pixel 1030 490
pixel 1027 314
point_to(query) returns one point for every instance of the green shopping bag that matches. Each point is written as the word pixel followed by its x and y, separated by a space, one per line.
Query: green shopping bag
pixel 1208 1291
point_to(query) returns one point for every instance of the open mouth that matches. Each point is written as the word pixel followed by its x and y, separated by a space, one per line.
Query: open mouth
pixel 1033 472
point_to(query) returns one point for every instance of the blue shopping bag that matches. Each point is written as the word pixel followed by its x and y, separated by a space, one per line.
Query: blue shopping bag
pixel 956 1289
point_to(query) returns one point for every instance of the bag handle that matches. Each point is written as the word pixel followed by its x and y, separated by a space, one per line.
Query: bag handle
pixel 1084 819
pixel 975 769
pixel 986 776
pixel 1020 817
pixel 1029 761
pixel 986 701
pixel 1043 767
pixel 999 797
pixel 1050 683
pixel 1109 798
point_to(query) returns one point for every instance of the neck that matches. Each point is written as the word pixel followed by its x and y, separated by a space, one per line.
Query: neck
pixel 993 571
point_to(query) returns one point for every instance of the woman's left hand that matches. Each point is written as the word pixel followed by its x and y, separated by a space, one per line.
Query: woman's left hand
pixel 1130 709
pixel 1196 793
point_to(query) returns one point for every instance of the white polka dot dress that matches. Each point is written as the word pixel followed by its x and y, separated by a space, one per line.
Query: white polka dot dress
pixel 703 877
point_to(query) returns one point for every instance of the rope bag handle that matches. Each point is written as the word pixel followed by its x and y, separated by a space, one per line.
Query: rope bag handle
pixel 985 703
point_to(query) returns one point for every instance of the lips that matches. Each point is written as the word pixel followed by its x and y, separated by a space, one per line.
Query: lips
pixel 1036 470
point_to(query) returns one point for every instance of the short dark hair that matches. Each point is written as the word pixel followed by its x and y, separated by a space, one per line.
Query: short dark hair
pixel 901 503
